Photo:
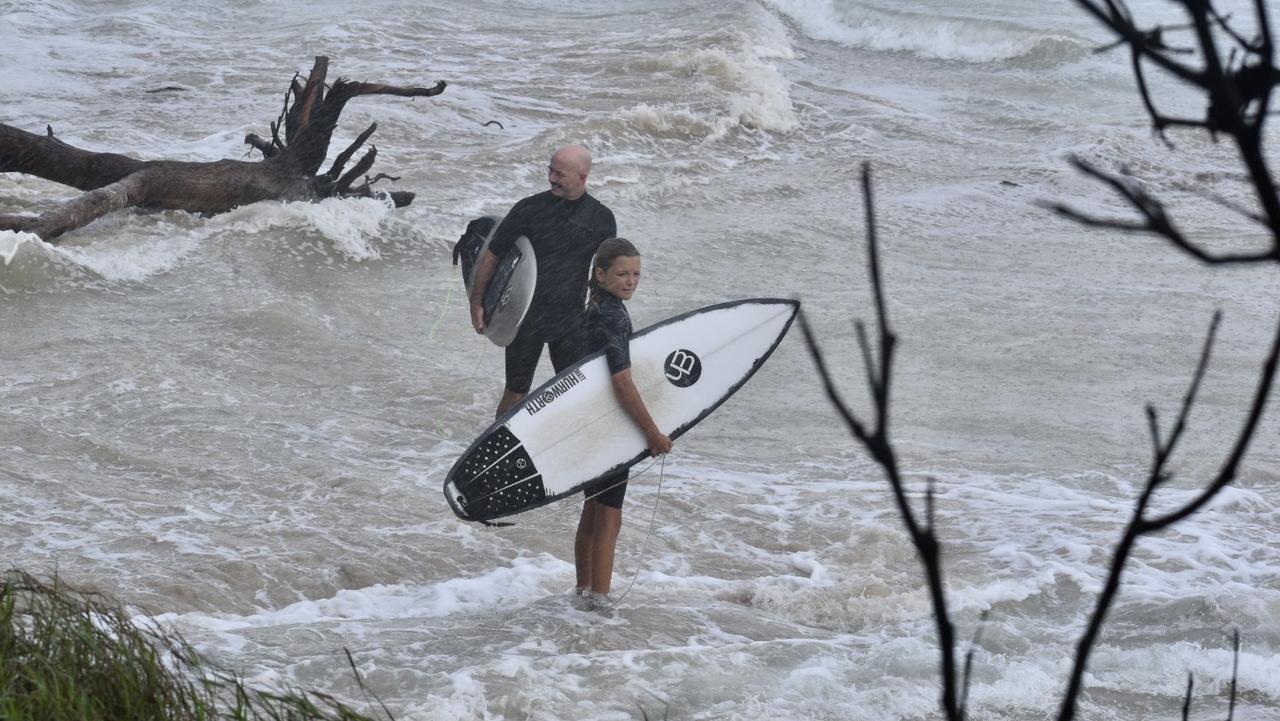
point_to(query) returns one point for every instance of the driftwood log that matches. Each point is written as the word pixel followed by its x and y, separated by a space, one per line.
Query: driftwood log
pixel 289 170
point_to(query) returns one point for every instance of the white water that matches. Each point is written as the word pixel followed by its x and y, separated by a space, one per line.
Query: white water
pixel 241 424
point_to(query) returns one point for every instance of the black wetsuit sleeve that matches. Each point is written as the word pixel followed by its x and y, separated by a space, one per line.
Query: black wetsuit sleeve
pixel 615 328
pixel 512 227
pixel 610 225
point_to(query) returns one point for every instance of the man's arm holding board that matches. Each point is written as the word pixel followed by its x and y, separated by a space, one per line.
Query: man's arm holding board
pixel 486 266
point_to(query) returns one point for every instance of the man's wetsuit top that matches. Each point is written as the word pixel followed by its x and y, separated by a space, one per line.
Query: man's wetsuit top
pixel 564 235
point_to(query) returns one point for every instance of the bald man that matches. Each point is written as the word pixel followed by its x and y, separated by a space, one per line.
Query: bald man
pixel 564 225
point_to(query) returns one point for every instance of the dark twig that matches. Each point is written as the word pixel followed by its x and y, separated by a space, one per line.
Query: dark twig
pixel 365 189
pixel 1137 526
pixel 1186 700
pixel 1153 39
pixel 1157 221
pixel 879 375
pixel 1237 87
pixel 666 712
pixel 1140 525
pixel 359 169
pixel 1158 121
pixel 275 136
pixel 1227 473
pixel 266 147
pixel 1235 672
pixel 341 161
pixel 1227 203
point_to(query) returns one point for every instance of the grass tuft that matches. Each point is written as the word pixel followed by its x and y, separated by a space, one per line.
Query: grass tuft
pixel 69 655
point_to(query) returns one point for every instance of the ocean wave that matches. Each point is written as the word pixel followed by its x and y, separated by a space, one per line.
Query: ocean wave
pixel 970 40
pixel 740 67
pixel 26 263
pixel 352 226
pixel 757 96
pixel 24 255
pixel 514 586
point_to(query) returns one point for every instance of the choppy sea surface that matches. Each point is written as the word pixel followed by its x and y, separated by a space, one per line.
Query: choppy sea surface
pixel 241 424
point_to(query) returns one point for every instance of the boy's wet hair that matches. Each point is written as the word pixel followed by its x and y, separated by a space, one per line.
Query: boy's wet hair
pixel 609 250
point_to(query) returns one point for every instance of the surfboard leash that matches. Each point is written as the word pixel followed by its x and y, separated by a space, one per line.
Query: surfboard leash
pixel 644 547
pixel 443 310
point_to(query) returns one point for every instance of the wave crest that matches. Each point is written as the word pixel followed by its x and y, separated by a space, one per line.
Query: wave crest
pixel 970 40
pixel 737 80
pixel 351 225
pixel 754 93
pixel 26 262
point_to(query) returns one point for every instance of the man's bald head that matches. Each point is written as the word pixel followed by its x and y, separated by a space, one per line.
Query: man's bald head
pixel 568 170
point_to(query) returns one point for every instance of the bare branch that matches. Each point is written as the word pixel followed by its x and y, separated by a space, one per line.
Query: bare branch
pixel 1084 646
pixel 85 209
pixel 1227 203
pixel 887 338
pixel 1237 91
pixel 405 92
pixel 1153 39
pixel 881 449
pixel 1116 17
pixel 341 161
pixel 266 147
pixel 1157 220
pixel 1235 672
pixel 1139 525
pixel 833 394
pixel 864 347
pixel 299 117
pixel 1153 425
pixel 1227 473
pixel 360 168
pixel 1093 221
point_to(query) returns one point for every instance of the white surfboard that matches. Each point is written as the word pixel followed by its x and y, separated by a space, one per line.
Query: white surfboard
pixel 510 291
pixel 571 430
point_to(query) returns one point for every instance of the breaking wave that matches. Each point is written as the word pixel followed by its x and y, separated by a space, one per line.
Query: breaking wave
pixel 970 40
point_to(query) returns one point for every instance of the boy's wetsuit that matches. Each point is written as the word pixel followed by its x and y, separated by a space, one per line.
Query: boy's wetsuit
pixel 607 326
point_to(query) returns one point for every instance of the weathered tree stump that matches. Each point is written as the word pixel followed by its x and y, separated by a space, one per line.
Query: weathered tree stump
pixel 289 170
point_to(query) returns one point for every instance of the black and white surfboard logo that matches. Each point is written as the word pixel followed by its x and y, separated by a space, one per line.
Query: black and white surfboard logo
pixel 683 368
